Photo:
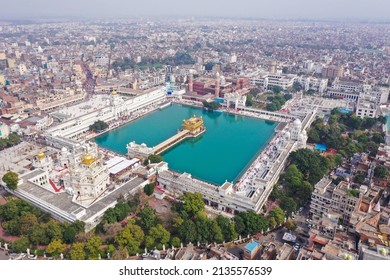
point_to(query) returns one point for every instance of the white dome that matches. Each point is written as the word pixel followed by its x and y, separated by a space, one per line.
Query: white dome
pixel 288 134
pixel 64 149
pixel 297 122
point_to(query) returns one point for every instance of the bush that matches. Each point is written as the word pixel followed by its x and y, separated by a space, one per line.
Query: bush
pixel 98 126
pixel 149 189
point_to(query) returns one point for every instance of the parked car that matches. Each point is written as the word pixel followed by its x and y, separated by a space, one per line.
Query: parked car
pixel 297 246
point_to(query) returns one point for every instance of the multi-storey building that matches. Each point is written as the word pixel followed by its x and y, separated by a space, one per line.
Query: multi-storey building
pixel 367 107
pixel 331 72
pixel 341 199
pixel 270 80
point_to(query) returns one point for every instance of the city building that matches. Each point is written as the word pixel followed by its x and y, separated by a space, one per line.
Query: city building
pixel 367 107
pixel 251 250
pixel 332 72
pixel 341 199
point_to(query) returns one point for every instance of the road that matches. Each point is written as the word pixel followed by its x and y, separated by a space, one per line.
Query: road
pixel 3 256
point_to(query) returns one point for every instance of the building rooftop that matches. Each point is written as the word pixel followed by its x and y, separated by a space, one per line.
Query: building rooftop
pixel 252 246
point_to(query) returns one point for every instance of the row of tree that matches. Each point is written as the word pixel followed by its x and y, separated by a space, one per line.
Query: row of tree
pixel 121 236
pixel 18 218
pixel 12 140
pixel 277 101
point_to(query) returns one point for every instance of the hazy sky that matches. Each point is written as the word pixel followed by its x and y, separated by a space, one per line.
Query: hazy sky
pixel 312 9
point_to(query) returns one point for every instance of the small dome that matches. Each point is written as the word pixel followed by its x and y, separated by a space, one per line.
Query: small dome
pixel 41 155
pixel 114 93
pixel 64 149
pixel 297 122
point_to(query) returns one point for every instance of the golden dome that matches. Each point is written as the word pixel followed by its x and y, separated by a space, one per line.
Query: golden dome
pixel 88 159
pixel 41 155
pixel 114 92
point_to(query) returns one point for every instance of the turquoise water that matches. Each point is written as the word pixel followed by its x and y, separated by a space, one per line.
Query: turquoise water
pixel 388 123
pixel 222 153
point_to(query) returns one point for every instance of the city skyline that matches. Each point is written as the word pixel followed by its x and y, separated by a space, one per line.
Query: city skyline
pixel 281 9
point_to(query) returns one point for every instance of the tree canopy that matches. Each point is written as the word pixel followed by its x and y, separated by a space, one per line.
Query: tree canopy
pixel 131 238
pixel 147 218
pixel 154 159
pixel 211 106
pixel 149 189
pixel 98 126
pixel 381 172
pixel 11 180
pixel 193 203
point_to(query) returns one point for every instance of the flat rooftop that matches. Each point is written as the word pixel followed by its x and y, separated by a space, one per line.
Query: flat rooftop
pixel 63 201
pixel 95 102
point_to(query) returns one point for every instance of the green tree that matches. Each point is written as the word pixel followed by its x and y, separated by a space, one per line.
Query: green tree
pixel 11 180
pixel 276 89
pixel 313 136
pixel 249 100
pixel 160 235
pixel 147 218
pixel 37 234
pixel 69 234
pixel 303 193
pixel 277 214
pixel 378 138
pixel 155 158
pixel 211 106
pixel 149 242
pixel 288 205
pixel 149 189
pixel 98 125
pixel 291 225
pixel 297 86
pixel 120 254
pixel 131 237
pixel 20 245
pixel 227 228
pixel 175 242
pixel 253 222
pixel 272 222
pixel 79 226
pixel 311 164
pixel 93 247
pixel 77 252
pixel 381 172
pixel 359 178
pixel 271 107
pixel 9 211
pixel 193 203
pixel 202 228
pixel 26 222
pixel 187 231
pixel 215 232
pixel 239 224
pixel 56 247
pixel 54 230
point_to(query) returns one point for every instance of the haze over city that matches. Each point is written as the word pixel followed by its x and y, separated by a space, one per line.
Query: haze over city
pixel 279 9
